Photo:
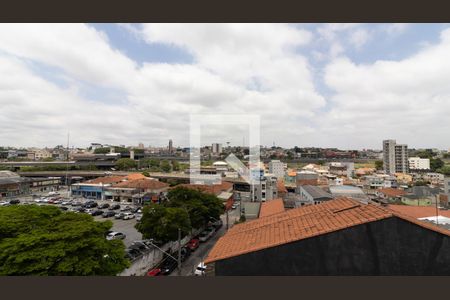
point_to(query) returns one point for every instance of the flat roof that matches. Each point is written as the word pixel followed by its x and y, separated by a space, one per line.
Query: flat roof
pixel 316 192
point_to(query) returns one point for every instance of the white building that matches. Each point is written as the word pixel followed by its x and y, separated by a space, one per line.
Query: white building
pixel 40 154
pixel 417 163
pixel 216 148
pixel 276 168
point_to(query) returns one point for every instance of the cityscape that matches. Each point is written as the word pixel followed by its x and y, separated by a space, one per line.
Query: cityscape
pixel 102 171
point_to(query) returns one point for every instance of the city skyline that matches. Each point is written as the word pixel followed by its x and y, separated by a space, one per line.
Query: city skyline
pixel 346 86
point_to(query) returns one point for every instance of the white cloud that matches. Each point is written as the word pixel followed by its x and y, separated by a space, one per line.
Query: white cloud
pixel 359 37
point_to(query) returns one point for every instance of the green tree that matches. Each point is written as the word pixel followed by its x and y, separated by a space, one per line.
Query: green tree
pixel 379 164
pixel 146 174
pixel 200 206
pixel 175 165
pixel 444 170
pixel 436 163
pixel 125 164
pixel 165 166
pixel 102 150
pixel 161 223
pixel 42 240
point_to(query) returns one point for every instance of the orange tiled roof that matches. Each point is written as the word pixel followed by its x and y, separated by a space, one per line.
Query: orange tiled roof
pixel 145 183
pixel 391 192
pixel 418 211
pixel 271 207
pixel 212 188
pixel 106 180
pixel 302 223
pixel 134 176
pixel 281 187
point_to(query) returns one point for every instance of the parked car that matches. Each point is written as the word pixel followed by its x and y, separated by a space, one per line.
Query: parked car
pixel 216 223
pixel 200 270
pixel 128 216
pixel 53 194
pixel 168 266
pixel 14 201
pixel 114 207
pixel 211 230
pixel 76 204
pixel 90 204
pixel 204 236
pixel 4 203
pixel 66 202
pixel 185 253
pixel 115 236
pixel 108 214
pixel 193 244
pixel 140 246
pixel 103 206
pixel 63 208
pixel 119 215
pixel 80 209
pixel 97 212
pixel 126 208
pixel 154 272
pixel 57 201
pixel 132 254
pixel 135 210
pixel 88 210
pixel 138 217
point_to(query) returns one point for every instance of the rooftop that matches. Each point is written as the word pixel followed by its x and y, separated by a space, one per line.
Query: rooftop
pixel 316 192
pixel 302 223
pixel 391 192
pixel 144 183
pixel 271 207
pixel 419 211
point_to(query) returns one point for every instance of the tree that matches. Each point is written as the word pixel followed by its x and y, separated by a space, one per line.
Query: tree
pixel 161 223
pixel 103 150
pixel 43 240
pixel 48 159
pixel 125 164
pixel 444 170
pixel 379 164
pixel 436 163
pixel 175 165
pixel 200 206
pixel 146 174
pixel 165 166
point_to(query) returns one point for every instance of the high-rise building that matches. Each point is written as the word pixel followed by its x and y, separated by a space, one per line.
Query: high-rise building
pixel 216 148
pixel 170 146
pixel 395 157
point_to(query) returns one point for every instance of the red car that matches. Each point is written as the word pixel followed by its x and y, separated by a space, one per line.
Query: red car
pixel 193 244
pixel 154 272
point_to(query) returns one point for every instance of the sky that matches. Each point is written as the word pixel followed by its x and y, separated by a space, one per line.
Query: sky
pixel 348 86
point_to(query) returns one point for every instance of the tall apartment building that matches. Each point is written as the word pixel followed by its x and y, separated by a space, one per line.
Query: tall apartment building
pixel 216 148
pixel 276 168
pixel 417 163
pixel 170 146
pixel 395 157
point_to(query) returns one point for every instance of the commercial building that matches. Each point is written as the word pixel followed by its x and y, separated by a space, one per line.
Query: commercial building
pixel 395 157
pixel 337 237
pixel 310 194
pixel 338 191
pixel 276 168
pixel 13 185
pixel 170 146
pixel 130 190
pixel 306 178
pixel 417 163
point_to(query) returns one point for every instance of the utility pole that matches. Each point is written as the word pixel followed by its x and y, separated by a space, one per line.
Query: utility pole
pixel 67 164
pixel 179 251
pixel 227 217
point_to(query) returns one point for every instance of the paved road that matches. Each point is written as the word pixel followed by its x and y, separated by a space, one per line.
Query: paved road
pixel 199 255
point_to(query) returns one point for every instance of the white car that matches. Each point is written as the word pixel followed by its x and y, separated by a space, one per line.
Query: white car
pixel 128 216
pixel 115 236
pixel 4 203
pixel 53 194
pixel 200 270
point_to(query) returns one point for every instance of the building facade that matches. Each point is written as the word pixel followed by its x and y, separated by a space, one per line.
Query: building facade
pixel 276 168
pixel 216 148
pixel 395 157
pixel 417 163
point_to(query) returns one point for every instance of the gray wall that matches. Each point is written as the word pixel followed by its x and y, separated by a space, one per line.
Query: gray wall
pixel 386 247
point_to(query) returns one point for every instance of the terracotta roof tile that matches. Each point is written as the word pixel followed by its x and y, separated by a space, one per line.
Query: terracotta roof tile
pixel 106 180
pixel 271 207
pixel 391 192
pixel 212 189
pixel 146 184
pixel 419 211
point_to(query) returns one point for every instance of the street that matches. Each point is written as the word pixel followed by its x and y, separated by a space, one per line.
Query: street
pixel 199 255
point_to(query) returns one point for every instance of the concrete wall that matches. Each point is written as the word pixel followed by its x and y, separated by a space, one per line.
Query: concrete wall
pixel 387 247
pixel 151 259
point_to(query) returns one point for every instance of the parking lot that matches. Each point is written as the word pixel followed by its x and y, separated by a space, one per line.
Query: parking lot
pixel 124 226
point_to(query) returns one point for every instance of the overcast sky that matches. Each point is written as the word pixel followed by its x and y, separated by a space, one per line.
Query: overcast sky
pixel 328 85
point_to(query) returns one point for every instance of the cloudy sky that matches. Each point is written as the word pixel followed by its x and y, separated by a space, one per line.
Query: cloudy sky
pixel 328 85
